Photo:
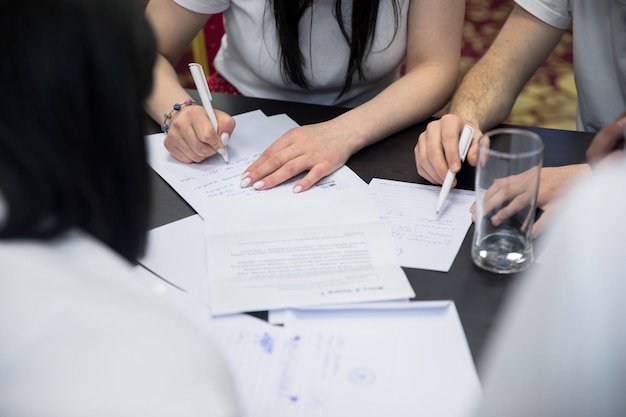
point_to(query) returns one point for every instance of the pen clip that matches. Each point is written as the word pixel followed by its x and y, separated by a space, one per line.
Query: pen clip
pixel 465 141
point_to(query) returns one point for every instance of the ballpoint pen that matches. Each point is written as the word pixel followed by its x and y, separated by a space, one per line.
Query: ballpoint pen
pixel 202 86
pixel 464 144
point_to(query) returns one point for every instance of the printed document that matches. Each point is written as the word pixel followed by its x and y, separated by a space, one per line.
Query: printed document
pixel 269 251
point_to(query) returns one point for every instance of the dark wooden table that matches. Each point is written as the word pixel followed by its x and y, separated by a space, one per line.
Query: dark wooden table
pixel 477 294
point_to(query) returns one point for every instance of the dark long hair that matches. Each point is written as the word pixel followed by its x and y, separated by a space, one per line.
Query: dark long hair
pixel 74 75
pixel 360 36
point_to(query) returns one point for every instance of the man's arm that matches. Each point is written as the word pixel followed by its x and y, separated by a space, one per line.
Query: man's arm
pixel 487 92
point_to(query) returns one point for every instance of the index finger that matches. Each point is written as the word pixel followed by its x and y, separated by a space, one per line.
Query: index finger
pixel 451 128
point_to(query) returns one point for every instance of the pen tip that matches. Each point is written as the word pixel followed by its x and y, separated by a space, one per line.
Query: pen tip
pixel 223 153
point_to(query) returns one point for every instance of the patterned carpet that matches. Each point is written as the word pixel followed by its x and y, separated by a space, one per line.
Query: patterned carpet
pixel 548 100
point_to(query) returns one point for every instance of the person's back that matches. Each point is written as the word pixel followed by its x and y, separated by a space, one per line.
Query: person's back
pixel 560 347
pixel 79 334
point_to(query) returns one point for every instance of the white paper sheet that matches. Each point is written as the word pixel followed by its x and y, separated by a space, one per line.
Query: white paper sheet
pixel 411 361
pixel 370 359
pixel 423 239
pixel 276 251
pixel 176 252
pixel 253 133
pixel 189 306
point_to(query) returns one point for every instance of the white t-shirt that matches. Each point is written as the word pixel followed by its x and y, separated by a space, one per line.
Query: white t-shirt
pixel 560 347
pixel 80 336
pixel 249 57
pixel 599 34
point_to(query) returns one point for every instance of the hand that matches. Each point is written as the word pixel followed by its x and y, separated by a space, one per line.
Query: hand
pixel 608 141
pixel 437 148
pixel 191 137
pixel 316 148
pixel 507 196
pixel 513 193
pixel 553 183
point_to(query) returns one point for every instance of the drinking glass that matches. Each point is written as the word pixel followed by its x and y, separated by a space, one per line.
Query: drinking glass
pixel 507 181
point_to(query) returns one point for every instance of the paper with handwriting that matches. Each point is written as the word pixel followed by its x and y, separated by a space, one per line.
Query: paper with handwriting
pixel 423 239
pixel 400 362
pixel 253 133
pixel 400 359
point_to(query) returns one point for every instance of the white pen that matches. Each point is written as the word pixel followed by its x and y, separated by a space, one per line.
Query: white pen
pixel 202 86
pixel 464 144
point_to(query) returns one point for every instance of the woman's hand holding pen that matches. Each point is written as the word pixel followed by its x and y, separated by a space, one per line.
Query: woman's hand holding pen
pixel 437 148
pixel 191 137
pixel 319 148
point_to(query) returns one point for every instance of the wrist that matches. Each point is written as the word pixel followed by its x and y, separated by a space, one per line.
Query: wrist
pixel 167 117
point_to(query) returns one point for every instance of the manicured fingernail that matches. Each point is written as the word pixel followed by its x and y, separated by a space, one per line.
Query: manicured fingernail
pixel 245 181
pixel 225 137
pixel 223 153
pixel 297 189
pixel 258 184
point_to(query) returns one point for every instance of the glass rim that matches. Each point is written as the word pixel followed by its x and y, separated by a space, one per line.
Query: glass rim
pixel 511 130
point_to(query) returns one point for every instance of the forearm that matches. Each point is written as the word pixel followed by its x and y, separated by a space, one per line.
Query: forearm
pixel 489 90
pixel 411 99
pixel 165 92
pixel 485 96
pixel 174 27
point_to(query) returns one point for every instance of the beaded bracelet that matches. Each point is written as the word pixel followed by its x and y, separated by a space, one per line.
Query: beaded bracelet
pixel 177 106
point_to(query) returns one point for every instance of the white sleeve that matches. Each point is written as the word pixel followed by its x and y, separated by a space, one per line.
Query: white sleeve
pixel 204 6
pixel 553 12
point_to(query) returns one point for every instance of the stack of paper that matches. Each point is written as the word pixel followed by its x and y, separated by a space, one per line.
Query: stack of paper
pixel 371 359
pixel 322 262
pixel 299 250
pixel 275 249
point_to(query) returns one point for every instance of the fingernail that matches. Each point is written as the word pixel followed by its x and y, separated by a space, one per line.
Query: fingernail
pixel 225 137
pixel 245 181
pixel 495 220
pixel 297 189
pixel 258 184
pixel 223 153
